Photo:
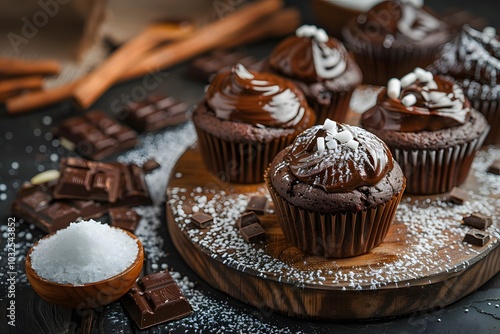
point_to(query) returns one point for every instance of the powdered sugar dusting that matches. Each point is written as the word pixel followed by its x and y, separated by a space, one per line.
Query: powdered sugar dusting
pixel 430 234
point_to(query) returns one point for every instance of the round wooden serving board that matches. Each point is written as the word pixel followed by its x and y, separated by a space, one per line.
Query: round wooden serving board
pixel 422 264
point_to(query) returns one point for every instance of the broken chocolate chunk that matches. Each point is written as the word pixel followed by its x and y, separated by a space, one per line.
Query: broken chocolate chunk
pixel 155 299
pixel 257 204
pixel 253 232
pixel 88 180
pixel 458 196
pixel 95 135
pixel 494 168
pixel 477 237
pixel 36 205
pixel 156 112
pixel 478 220
pixel 201 219
pixel 246 219
pixel 125 218
pixel 133 190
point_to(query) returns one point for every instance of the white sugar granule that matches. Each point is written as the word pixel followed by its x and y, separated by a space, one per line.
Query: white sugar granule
pixel 84 252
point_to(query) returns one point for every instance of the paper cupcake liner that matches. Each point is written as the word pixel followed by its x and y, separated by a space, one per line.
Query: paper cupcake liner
pixel 379 64
pixel 436 171
pixel 491 111
pixel 335 110
pixel 337 235
pixel 239 162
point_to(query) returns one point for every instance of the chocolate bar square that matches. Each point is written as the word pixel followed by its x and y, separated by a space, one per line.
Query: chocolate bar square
pixel 35 204
pixel 478 220
pixel 494 168
pixel 246 219
pixel 201 219
pixel 458 196
pixel 154 113
pixel 477 237
pixel 253 232
pixel 85 179
pixel 155 299
pixel 257 204
pixel 133 189
pixel 125 218
pixel 95 135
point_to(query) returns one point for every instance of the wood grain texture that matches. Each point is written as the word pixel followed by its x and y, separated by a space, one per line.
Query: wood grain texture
pixel 436 287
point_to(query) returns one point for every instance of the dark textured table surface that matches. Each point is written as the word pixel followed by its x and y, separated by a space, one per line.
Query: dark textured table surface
pixel 27 147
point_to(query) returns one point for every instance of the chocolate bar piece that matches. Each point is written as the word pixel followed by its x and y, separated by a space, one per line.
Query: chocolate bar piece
pixel 205 67
pixel 477 237
pixel 155 112
pixel 253 232
pixel 85 179
pixel 246 219
pixel 35 204
pixel 257 204
pixel 155 299
pixel 458 196
pixel 150 166
pixel 95 135
pixel 125 218
pixel 478 220
pixel 133 189
pixel 494 168
pixel 201 219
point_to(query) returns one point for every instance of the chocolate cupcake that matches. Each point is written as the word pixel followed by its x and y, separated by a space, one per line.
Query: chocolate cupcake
pixel 431 129
pixel 335 190
pixel 393 38
pixel 472 61
pixel 321 67
pixel 245 120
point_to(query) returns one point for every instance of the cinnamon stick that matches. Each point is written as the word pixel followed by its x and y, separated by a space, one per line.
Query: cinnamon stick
pixel 163 57
pixel 200 41
pixel 12 86
pixel 97 82
pixel 281 23
pixel 20 67
pixel 30 101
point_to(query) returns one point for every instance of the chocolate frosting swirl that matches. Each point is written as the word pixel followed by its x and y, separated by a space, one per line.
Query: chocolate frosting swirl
pixel 473 55
pixel 441 107
pixel 308 59
pixel 261 99
pixel 339 168
pixel 397 22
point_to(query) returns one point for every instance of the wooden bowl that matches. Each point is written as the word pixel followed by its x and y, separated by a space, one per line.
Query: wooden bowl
pixel 87 295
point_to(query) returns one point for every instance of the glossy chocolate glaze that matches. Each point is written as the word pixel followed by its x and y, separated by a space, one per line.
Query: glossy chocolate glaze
pixel 342 168
pixel 436 108
pixel 396 22
pixel 260 99
pixel 309 60
pixel 473 55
